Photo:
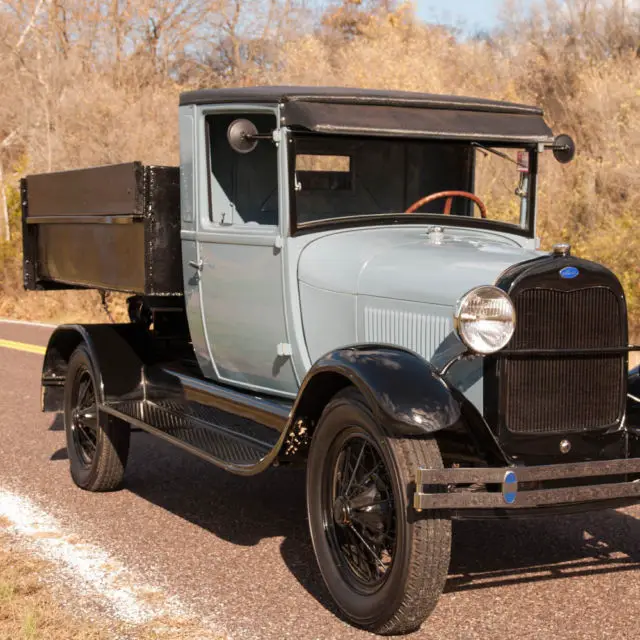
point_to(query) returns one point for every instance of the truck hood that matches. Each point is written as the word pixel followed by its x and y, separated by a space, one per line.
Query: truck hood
pixel 408 263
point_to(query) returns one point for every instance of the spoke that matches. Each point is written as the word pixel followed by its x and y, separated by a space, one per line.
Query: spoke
pixel 85 441
pixel 344 472
pixel 370 473
pixel 355 469
pixel 349 548
pixel 86 430
pixel 82 392
pixel 371 551
pixel 358 558
pixel 89 399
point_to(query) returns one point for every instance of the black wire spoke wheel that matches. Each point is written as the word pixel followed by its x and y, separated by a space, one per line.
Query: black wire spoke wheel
pixel 84 417
pixel 384 565
pixel 359 511
pixel 97 443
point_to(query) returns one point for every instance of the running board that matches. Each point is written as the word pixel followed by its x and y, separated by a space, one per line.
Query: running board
pixel 234 443
pixel 170 382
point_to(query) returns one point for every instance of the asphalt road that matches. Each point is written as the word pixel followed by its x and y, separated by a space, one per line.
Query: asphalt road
pixel 238 549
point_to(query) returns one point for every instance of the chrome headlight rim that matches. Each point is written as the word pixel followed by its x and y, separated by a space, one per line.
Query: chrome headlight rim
pixel 461 306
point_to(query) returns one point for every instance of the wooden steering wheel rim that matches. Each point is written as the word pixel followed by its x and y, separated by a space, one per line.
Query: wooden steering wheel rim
pixel 449 195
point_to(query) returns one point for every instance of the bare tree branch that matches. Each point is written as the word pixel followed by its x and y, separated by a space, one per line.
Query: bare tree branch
pixel 8 139
pixel 34 16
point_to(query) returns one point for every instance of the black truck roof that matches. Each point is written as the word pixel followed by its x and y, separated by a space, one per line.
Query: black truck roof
pixel 373 112
pixel 352 96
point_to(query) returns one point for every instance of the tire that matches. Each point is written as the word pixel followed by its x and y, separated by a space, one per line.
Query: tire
pixel 408 555
pixel 97 443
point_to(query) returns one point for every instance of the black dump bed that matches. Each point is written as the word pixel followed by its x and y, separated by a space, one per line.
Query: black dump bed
pixel 115 227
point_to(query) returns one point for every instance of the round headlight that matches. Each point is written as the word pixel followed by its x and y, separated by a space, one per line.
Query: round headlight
pixel 485 319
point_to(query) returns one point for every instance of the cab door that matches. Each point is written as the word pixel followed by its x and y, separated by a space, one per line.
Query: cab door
pixel 240 262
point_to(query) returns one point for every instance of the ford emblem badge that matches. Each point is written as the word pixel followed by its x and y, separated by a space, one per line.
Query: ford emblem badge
pixel 569 272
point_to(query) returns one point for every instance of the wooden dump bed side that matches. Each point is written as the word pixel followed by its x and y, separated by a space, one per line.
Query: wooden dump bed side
pixel 115 227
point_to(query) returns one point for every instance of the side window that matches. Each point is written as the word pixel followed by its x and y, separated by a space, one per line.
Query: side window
pixel 243 186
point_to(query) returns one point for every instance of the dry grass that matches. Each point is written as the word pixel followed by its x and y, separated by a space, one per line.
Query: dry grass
pixel 28 610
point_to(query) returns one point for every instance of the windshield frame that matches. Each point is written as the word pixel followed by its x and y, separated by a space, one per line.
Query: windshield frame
pixel 400 218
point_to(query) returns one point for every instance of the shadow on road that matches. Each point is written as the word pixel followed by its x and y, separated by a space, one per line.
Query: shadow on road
pixel 485 554
pixel 495 553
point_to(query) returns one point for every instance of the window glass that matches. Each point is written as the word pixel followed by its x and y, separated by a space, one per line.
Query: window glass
pixel 317 172
pixel 340 177
pixel 244 186
pixel 502 182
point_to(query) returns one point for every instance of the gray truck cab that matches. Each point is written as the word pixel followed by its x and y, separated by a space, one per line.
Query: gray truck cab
pixel 348 280
pixel 274 237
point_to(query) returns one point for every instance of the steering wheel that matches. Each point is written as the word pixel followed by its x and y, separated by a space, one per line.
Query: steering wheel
pixel 449 195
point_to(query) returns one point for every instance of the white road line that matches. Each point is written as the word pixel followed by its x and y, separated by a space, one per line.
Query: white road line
pixel 86 567
pixel 28 323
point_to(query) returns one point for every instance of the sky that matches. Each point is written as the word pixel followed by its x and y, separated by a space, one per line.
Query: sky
pixel 470 15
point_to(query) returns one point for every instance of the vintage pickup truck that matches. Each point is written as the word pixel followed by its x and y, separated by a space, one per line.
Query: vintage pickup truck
pixel 313 286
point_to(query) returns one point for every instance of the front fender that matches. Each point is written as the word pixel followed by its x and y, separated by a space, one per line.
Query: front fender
pixel 405 392
pixel 118 352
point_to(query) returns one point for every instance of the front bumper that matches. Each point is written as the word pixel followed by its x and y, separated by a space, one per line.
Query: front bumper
pixel 502 489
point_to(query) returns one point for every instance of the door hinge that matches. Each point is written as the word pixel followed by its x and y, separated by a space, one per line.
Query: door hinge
pixel 284 350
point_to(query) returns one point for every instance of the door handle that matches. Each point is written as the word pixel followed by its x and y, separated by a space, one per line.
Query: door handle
pixel 199 265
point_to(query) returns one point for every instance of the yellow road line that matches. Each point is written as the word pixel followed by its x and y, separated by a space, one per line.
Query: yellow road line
pixel 22 346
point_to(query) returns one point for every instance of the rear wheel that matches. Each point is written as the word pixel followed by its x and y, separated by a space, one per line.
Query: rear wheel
pixel 384 566
pixel 97 444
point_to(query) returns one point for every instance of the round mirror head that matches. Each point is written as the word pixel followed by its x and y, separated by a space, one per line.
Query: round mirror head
pixel 564 148
pixel 240 135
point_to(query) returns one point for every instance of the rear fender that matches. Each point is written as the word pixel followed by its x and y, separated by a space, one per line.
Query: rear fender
pixel 118 352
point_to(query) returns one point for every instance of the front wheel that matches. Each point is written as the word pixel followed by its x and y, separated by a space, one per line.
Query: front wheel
pixel 97 443
pixel 384 566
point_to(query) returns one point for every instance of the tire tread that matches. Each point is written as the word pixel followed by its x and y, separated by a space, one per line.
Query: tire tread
pixel 429 569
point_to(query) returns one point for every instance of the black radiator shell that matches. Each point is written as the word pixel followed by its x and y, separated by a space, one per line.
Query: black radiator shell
pixel 115 227
pixel 603 442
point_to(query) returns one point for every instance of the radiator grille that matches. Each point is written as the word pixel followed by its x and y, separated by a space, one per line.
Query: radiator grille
pixel 566 393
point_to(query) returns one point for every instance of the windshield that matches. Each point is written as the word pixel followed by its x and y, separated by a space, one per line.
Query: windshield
pixel 336 179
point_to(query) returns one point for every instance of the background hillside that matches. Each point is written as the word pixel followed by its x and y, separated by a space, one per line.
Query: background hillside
pixel 88 82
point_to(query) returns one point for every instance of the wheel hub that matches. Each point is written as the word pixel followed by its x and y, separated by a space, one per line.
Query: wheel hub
pixel 342 511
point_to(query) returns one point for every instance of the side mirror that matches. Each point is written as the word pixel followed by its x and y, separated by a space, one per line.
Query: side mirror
pixel 243 136
pixel 564 148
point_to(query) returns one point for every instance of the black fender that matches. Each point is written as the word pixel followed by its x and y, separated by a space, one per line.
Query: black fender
pixel 118 351
pixel 406 393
